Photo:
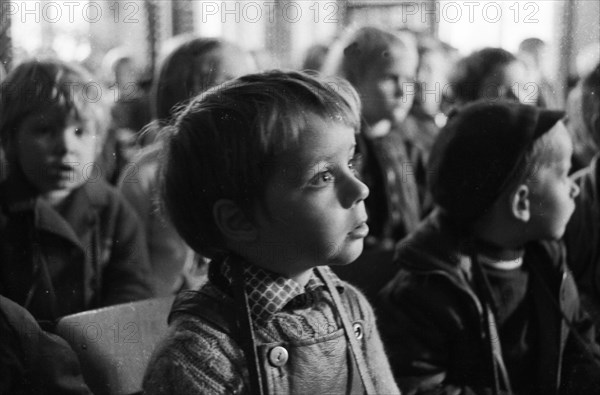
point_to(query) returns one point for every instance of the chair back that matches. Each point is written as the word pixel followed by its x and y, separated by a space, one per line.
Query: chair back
pixel 115 343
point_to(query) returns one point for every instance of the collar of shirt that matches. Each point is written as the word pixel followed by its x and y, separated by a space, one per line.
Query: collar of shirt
pixel 269 292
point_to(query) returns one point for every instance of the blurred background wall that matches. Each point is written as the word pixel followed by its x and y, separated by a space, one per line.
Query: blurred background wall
pixel 280 31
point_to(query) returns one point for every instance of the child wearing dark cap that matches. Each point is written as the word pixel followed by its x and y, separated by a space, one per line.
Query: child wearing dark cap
pixel 483 301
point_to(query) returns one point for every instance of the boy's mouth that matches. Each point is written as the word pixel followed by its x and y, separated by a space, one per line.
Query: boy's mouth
pixel 360 231
pixel 61 169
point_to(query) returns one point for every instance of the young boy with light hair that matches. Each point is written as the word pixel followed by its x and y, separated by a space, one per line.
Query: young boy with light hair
pixel 259 175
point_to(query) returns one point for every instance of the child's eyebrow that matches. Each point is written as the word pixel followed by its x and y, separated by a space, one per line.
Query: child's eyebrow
pixel 332 156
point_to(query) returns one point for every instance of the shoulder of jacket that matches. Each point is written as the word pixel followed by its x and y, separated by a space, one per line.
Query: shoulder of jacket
pixel 200 355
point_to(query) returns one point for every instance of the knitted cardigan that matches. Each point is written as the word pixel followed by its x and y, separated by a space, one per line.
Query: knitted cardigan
pixel 198 358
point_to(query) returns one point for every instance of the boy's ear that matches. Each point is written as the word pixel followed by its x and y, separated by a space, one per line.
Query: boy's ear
pixel 520 204
pixel 233 222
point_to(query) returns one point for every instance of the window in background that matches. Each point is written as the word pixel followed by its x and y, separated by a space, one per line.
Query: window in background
pixel 472 25
pixel 51 28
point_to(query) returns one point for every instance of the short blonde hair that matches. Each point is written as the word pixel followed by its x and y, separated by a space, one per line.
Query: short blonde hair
pixel 35 85
pixel 228 141
pixel 358 50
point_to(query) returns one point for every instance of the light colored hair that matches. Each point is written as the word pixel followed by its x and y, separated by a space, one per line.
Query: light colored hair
pixel 228 141
pixel 358 50
pixel 35 85
pixel 181 77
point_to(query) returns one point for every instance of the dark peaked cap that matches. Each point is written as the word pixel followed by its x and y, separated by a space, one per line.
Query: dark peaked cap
pixel 481 151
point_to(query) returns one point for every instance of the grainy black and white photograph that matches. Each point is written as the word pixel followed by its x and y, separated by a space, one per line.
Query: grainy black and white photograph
pixel 300 197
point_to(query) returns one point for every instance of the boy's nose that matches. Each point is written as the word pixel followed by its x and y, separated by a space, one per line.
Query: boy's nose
pixel 64 141
pixel 355 192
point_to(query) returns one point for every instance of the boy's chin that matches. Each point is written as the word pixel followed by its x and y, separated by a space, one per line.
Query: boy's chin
pixel 61 188
pixel 349 255
pixel 554 235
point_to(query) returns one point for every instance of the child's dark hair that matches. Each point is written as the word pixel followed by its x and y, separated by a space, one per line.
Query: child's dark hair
pixel 227 141
pixel 472 71
pixel 180 76
pixel 36 85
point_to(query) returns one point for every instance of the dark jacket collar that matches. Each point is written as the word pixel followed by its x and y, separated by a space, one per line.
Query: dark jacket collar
pixel 19 196
pixel 439 247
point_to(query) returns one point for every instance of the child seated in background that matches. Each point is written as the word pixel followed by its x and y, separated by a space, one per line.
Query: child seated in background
pixel 483 301
pixel 192 65
pixel 259 175
pixel 583 232
pixel 68 241
pixel 491 74
pixel 382 67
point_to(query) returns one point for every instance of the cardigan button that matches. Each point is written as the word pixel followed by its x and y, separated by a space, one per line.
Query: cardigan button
pixel 278 356
pixel 358 330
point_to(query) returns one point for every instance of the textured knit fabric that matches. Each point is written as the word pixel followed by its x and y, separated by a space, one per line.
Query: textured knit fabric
pixel 201 357
pixel 432 319
pixel 90 254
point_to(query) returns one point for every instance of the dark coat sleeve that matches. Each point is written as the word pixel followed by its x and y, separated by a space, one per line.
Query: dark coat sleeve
pixel 33 361
pixel 581 358
pixel 127 276
pixel 432 336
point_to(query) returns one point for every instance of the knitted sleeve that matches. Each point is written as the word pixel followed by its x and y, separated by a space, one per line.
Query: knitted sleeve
pixel 196 358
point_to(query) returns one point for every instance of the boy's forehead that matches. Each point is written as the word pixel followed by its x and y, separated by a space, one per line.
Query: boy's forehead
pixel 323 139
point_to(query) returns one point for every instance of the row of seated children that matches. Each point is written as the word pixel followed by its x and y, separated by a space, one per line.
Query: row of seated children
pixel 69 241
pixel 276 239
pixel 490 220
pixel 483 301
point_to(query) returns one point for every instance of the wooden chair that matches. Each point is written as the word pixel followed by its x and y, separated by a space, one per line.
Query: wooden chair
pixel 115 343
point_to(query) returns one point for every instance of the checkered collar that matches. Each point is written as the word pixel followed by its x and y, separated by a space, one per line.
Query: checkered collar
pixel 269 292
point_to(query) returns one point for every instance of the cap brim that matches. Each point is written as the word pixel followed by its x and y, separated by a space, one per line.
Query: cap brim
pixel 546 120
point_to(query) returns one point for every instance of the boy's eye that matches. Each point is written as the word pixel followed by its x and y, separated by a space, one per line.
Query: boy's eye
pixel 79 132
pixel 322 178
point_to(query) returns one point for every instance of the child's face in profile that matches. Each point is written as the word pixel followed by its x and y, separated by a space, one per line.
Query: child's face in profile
pixel 552 191
pixel 314 212
pixel 387 88
pixel 56 154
